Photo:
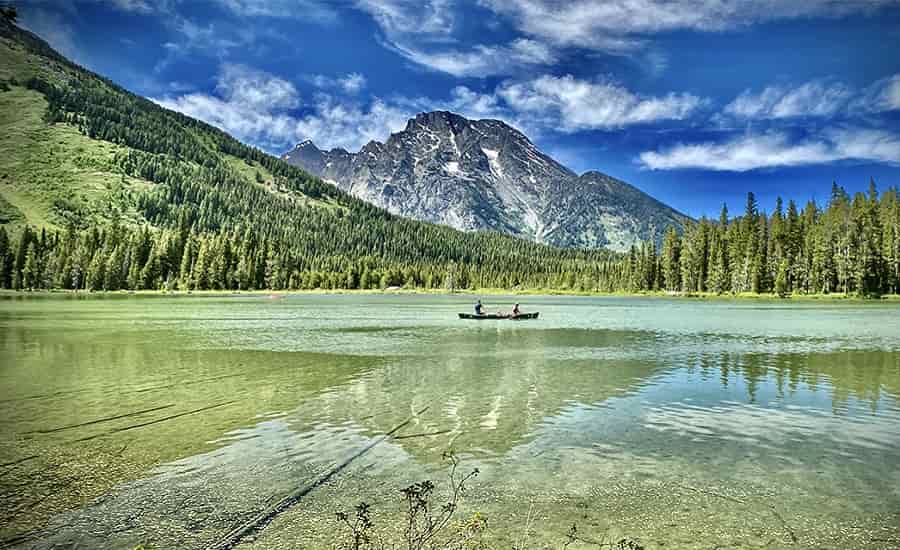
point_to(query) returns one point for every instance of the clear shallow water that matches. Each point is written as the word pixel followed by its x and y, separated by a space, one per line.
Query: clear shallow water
pixel 681 424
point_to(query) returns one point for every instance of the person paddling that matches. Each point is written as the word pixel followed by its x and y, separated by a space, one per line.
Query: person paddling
pixel 515 311
pixel 479 309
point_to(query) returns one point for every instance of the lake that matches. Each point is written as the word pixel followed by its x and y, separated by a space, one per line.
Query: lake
pixel 169 421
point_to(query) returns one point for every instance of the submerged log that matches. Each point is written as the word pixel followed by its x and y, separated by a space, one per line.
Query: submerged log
pixel 410 436
pixel 258 523
pixel 19 461
pixel 152 422
pixel 99 420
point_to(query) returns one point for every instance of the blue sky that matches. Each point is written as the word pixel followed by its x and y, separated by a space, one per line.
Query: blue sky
pixel 694 101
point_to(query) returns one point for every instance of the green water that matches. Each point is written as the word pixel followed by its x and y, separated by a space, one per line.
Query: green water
pixel 679 424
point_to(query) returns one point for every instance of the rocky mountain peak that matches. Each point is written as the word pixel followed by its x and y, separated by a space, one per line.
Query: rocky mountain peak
pixel 485 174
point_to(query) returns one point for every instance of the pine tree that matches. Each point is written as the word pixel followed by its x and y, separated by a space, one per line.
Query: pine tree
pixel 96 273
pixel 30 270
pixel 24 241
pixel 186 269
pixel 114 270
pixel 761 280
pixel 870 271
pixel 671 265
pixel 781 283
pixel 6 260
pixel 720 274
pixel 890 216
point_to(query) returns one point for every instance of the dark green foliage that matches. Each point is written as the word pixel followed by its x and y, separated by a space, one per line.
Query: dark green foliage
pixel 210 224
pixel 851 247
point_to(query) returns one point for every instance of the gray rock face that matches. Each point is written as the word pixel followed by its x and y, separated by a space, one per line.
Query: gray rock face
pixel 486 175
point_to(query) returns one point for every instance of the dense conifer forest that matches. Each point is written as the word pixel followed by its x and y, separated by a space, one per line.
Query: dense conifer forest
pixel 850 247
pixel 219 215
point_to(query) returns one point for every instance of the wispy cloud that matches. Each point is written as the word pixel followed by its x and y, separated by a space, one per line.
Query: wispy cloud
pixel 572 104
pixel 883 95
pixel 351 83
pixel 319 11
pixel 251 105
pixel 816 99
pixel 260 108
pixel 481 60
pixel 349 125
pixel 428 18
pixel 138 6
pixel 215 39
pixel 777 149
pixel 810 99
pixel 616 25
pixel 422 32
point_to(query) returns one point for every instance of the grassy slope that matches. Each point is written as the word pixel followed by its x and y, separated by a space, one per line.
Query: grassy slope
pixel 50 175
pixel 53 174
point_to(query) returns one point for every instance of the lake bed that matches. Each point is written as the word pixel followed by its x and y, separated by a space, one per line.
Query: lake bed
pixel 168 421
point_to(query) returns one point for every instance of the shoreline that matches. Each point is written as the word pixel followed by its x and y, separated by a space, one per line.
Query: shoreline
pixel 702 296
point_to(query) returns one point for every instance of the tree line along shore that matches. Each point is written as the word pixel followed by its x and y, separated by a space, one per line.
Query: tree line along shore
pixel 849 248
pixel 184 206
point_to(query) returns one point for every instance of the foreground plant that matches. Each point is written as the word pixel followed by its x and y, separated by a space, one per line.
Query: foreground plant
pixel 427 527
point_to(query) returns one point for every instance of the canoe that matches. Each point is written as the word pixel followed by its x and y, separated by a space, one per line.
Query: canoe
pixel 519 317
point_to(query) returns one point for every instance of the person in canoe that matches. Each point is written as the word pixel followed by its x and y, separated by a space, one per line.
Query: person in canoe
pixel 515 311
pixel 479 309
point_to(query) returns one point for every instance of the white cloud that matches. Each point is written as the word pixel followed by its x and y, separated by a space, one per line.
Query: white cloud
pixel 883 95
pixel 776 149
pixel 816 99
pixel 349 125
pixel 316 10
pixel 472 104
pixel 422 17
pixel 890 96
pixel 481 60
pixel 260 108
pixel 139 6
pixel 810 99
pixel 256 90
pixel 572 104
pixel 620 24
pixel 351 83
pixel 421 31
pixel 251 105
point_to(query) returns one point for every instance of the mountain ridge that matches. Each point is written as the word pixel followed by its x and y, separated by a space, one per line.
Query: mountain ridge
pixel 484 174
pixel 133 195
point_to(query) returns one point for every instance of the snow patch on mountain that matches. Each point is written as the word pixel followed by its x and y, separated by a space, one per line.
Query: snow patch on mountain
pixel 486 175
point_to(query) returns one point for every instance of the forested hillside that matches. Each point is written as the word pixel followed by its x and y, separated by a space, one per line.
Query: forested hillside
pixel 130 195
pixel 103 190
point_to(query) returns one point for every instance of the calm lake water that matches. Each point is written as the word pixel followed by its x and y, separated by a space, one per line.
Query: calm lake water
pixel 680 424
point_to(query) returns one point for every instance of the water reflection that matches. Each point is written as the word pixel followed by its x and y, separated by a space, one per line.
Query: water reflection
pixel 604 421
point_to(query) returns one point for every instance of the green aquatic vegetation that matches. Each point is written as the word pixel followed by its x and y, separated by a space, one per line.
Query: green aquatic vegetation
pixel 429 525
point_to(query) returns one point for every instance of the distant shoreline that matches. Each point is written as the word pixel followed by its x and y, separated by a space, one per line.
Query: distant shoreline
pixel 702 296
